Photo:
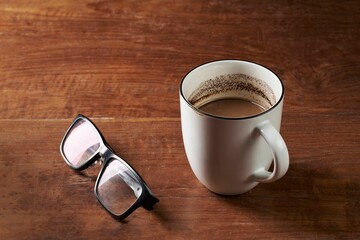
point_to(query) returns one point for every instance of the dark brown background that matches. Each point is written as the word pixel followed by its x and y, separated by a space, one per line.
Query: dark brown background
pixel 120 63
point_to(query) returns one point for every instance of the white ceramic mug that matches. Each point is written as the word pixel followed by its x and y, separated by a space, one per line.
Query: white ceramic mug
pixel 232 155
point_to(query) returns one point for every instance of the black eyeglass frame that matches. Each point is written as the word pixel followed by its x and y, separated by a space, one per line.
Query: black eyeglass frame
pixel 146 199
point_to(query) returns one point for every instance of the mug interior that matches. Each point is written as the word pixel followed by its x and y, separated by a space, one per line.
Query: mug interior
pixel 231 79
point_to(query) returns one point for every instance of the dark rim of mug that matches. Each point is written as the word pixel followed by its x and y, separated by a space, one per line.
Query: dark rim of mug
pixel 230 118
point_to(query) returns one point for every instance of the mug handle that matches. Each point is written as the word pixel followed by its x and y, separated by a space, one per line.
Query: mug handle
pixel 280 152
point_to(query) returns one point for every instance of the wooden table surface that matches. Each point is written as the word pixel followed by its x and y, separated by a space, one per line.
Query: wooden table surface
pixel 120 63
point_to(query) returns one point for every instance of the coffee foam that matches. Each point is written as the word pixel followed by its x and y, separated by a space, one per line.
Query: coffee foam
pixel 233 86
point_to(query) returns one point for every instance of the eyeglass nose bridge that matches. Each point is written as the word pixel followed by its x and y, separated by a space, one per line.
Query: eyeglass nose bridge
pixel 105 152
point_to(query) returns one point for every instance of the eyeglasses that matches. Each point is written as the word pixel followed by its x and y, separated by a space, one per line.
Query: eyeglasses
pixel 118 188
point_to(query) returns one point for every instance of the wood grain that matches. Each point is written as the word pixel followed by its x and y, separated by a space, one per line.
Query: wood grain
pixel 121 62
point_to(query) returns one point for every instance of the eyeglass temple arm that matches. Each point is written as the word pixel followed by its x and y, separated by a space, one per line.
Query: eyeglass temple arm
pixel 149 201
pixel 131 182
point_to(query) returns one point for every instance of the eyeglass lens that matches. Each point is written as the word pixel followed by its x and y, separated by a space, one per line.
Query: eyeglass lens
pixel 118 189
pixel 81 143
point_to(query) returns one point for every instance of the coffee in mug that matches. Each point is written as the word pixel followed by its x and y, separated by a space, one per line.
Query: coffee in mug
pixel 232 108
pixel 233 96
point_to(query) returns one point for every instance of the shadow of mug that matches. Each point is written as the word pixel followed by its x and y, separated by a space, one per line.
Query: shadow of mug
pixel 306 200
